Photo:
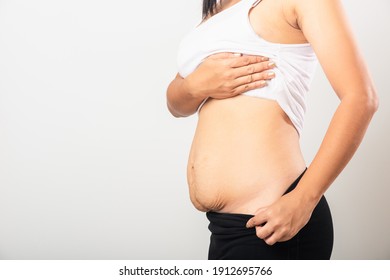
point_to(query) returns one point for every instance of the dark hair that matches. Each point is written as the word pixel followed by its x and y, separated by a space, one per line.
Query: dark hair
pixel 209 7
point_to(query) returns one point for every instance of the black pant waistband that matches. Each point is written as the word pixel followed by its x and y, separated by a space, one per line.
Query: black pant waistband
pixel 233 220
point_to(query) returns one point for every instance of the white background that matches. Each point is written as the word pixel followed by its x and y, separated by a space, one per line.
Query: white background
pixel 92 165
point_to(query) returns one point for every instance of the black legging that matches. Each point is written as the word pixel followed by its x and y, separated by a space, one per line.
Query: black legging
pixel 231 240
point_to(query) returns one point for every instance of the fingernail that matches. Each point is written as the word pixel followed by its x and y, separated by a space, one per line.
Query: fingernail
pixel 271 74
pixel 263 83
pixel 237 54
pixel 271 64
pixel 264 58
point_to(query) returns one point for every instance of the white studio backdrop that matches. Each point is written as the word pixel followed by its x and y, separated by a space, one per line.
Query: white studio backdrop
pixel 93 166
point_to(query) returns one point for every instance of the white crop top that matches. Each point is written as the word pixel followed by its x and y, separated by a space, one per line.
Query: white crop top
pixel 231 31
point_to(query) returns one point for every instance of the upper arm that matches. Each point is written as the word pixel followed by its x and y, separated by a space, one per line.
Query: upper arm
pixel 325 26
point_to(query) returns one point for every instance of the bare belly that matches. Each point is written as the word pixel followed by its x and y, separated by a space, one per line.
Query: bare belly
pixel 244 155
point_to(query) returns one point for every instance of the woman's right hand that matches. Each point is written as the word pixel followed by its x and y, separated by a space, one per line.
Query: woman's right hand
pixel 225 75
pixel 219 76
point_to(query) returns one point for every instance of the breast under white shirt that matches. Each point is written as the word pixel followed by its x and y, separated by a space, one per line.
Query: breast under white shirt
pixel 231 31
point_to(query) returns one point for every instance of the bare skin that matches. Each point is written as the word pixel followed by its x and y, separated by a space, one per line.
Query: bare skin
pixel 246 152
pixel 220 76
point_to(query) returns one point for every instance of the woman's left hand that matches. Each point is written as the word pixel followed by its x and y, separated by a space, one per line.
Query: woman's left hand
pixel 282 220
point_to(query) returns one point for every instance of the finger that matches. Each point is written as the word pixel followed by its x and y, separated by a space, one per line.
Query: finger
pixel 253 68
pixel 247 60
pixel 247 87
pixel 271 240
pixel 279 234
pixel 249 79
pixel 264 232
pixel 259 219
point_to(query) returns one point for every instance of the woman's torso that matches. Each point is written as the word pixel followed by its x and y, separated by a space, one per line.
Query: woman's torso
pixel 244 155
pixel 245 151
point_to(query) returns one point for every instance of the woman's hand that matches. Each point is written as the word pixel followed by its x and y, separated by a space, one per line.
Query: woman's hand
pixel 282 220
pixel 226 75
pixel 219 76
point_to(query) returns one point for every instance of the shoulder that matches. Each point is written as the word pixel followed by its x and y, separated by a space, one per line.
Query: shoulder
pixel 302 7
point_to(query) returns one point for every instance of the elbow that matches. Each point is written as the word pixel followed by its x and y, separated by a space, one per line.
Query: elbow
pixel 365 102
pixel 170 107
pixel 174 112
pixel 176 115
pixel 376 103
pixel 372 101
pixel 369 104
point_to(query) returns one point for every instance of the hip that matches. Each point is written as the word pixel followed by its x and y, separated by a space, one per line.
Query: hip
pixel 230 239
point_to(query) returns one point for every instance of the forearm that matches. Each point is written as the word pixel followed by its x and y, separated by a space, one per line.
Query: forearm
pixel 341 141
pixel 180 101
